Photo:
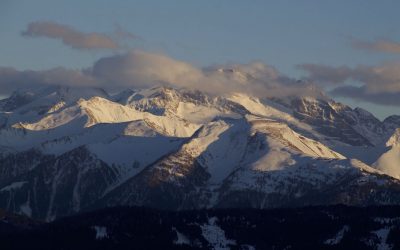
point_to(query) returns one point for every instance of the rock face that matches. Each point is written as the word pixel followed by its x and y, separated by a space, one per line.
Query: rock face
pixel 64 150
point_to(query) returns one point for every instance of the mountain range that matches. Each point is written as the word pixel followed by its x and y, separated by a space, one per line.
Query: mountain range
pixel 65 150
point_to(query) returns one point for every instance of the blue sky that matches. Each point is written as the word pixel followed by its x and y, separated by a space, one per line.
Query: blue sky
pixel 279 33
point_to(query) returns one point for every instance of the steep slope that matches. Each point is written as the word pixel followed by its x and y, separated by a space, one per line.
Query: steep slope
pixel 338 125
pixel 253 162
pixel 58 186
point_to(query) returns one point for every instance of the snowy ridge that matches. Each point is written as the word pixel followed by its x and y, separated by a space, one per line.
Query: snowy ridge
pixel 179 149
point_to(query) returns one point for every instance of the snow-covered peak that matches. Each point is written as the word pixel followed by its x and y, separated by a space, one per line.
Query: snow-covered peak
pixel 101 110
pixel 171 112
pixel 98 110
pixel 389 161
pixel 29 106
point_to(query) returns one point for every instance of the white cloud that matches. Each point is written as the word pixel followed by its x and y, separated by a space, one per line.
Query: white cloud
pixel 74 38
pixel 378 84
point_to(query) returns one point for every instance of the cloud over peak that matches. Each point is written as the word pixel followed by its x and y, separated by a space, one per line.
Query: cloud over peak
pixel 140 69
pixel 70 36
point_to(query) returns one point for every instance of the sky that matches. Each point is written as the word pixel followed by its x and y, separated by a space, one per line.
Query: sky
pixel 349 48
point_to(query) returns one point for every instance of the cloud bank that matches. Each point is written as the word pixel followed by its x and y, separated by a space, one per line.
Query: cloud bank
pixel 139 69
pixel 74 38
pixel 377 84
